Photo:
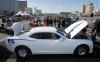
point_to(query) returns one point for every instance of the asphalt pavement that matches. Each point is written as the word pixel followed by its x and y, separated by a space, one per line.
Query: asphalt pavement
pixel 6 56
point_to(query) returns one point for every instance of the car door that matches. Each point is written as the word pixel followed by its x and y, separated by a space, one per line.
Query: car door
pixel 46 43
pixel 57 44
pixel 39 43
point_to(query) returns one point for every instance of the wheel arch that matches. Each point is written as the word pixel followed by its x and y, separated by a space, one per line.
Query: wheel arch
pixel 21 46
pixel 84 46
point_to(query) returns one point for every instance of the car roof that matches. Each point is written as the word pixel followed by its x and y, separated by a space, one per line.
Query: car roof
pixel 43 29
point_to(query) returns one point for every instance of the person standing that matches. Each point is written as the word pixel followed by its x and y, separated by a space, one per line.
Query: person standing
pixel 77 19
pixel 3 20
pixel 50 21
pixel 95 30
pixel 63 23
pixel 59 22
pixel 68 21
pixel 55 21
pixel 47 21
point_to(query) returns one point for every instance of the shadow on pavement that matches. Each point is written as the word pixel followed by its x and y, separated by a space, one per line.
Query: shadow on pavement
pixel 4 54
pixel 94 57
pixel 59 58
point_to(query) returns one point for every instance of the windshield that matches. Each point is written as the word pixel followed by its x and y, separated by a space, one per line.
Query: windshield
pixel 22 32
pixel 61 32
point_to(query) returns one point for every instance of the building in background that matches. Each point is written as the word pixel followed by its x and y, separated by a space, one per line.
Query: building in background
pixel 28 10
pixel 97 13
pixel 88 9
pixel 8 6
pixel 5 6
pixel 0 7
pixel 22 5
pixel 84 8
pixel 37 11
pixel 12 6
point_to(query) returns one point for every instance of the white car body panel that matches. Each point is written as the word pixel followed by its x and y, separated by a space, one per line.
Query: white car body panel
pixel 48 46
pixel 17 28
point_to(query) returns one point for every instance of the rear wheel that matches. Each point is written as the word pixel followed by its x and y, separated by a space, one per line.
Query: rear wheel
pixel 81 50
pixel 23 52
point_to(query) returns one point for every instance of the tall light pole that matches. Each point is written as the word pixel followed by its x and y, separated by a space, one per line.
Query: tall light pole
pixel 0 7
pixel 13 5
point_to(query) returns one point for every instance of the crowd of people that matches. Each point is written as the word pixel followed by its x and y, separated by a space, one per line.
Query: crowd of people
pixel 60 23
pixel 6 22
pixel 64 22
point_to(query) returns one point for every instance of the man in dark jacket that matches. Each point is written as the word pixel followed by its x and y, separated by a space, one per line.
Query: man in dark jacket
pixel 68 21
pixel 63 23
pixel 3 20
pixel 47 21
pixel 95 30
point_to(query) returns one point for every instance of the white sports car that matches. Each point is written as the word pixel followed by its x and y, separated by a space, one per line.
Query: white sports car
pixel 49 40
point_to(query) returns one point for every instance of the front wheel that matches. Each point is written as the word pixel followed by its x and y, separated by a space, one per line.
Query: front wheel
pixel 23 52
pixel 81 51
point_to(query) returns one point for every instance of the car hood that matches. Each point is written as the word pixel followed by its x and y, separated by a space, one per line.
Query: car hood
pixel 17 27
pixel 76 27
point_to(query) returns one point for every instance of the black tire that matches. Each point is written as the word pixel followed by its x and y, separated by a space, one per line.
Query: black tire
pixel 23 52
pixel 81 50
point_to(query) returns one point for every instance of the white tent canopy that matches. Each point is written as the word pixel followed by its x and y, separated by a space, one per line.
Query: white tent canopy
pixel 20 13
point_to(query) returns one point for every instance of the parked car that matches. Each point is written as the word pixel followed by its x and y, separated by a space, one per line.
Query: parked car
pixel 35 24
pixel 49 40
pixel 16 27
pixel 11 28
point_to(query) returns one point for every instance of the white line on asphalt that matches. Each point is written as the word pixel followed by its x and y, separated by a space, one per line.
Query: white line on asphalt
pixel 90 34
pixel 89 29
pixel 2 40
pixel 97 46
pixel 11 60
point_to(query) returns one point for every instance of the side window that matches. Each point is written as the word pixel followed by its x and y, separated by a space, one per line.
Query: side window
pixel 45 35
pixel 49 36
pixel 54 36
pixel 35 35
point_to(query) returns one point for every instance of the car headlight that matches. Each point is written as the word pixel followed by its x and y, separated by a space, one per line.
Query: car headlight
pixel 11 41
